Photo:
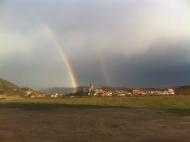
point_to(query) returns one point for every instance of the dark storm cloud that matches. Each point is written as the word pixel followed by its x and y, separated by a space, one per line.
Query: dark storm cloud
pixel 108 42
pixel 166 63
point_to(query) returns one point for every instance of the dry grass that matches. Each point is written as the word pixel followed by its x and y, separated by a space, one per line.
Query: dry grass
pixel 68 124
pixel 95 119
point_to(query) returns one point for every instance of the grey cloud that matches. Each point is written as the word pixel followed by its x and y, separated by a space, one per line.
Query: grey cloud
pixel 162 65
pixel 43 67
pixel 117 40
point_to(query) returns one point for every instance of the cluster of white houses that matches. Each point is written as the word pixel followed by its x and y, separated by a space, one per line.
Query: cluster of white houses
pixel 112 92
pixel 108 91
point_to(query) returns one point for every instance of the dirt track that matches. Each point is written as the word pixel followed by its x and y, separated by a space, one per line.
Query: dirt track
pixel 93 125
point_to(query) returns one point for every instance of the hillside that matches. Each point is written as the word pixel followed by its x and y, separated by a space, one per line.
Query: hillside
pixel 8 88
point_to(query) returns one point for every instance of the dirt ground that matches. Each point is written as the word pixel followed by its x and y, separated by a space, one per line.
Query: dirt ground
pixel 93 125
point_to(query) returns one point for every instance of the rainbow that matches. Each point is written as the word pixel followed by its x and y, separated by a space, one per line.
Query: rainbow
pixel 103 70
pixel 61 51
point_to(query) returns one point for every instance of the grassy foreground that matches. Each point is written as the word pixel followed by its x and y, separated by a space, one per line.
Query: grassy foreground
pixel 162 102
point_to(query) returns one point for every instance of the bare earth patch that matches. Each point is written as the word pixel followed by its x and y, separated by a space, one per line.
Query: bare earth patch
pixel 93 125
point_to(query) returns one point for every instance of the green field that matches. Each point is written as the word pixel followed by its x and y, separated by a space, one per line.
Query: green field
pixel 161 102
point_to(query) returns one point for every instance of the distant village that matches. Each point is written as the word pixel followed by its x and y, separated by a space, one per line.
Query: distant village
pixel 9 89
pixel 92 91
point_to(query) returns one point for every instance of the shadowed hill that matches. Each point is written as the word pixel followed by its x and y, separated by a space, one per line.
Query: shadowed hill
pixel 8 88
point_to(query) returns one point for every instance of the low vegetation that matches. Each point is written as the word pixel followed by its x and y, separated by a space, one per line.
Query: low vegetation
pixel 162 102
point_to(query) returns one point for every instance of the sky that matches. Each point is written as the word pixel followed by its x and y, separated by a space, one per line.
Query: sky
pixel 127 43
